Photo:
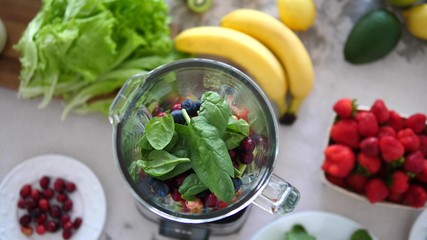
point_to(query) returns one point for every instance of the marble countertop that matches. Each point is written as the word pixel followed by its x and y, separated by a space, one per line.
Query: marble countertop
pixel 399 79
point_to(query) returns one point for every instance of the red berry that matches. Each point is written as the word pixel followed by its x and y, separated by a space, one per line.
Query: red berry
pixel 394 197
pixel 176 196
pixel 367 124
pixel 157 109
pixel 27 231
pixel 395 121
pixel 399 182
pixel 339 160
pixel 339 181
pixel 233 154
pixel 30 203
pixel 409 140
pixel 417 122
pixel 176 106
pixel 59 185
pixel 415 196
pixel 391 149
pixel 25 191
pixel 380 111
pixel 370 146
pixel 61 197
pixel 414 162
pixel 55 211
pixel 52 226
pixel 246 158
pixel 423 144
pixel 161 114
pixel 67 205
pixel 345 107
pixel 68 226
pixel 48 193
pixel 35 194
pixel 386 131
pixel 21 203
pixel 345 132
pixel 222 205
pixel 40 229
pixel 41 219
pixel 247 145
pixel 70 187
pixel 211 200
pixel 67 234
pixel 44 204
pixel 44 182
pixel 25 220
pixel 371 165
pixel 422 176
pixel 77 223
pixel 356 182
pixel 376 190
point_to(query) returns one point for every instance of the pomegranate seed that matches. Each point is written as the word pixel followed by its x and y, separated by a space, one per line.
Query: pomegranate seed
pixel 25 190
pixel 70 187
pixel 247 145
pixel 77 223
pixel 42 219
pixel 52 226
pixel 21 203
pixel 61 197
pixel 44 204
pixel 55 211
pixel 40 229
pixel 246 158
pixel 27 231
pixel 35 194
pixel 68 226
pixel 67 205
pixel 48 193
pixel 25 220
pixel 44 182
pixel 67 234
pixel 30 204
pixel 59 185
pixel 176 106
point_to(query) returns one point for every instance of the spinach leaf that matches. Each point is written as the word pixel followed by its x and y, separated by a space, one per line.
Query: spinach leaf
pixel 133 170
pixel 160 162
pixel 361 234
pixel 159 131
pixel 210 159
pixel 172 142
pixel 215 109
pixel 238 126
pixel 144 143
pixel 232 140
pixel 298 232
pixel 191 186
pixel 178 169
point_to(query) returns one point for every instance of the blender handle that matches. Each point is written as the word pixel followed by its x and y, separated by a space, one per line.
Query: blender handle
pixel 278 197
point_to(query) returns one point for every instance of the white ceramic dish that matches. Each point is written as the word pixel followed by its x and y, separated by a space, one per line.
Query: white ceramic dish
pixel 322 225
pixel 89 198
pixel 419 229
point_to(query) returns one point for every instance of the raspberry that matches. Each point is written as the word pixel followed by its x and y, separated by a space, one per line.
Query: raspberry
pixel 423 144
pixel 345 108
pixel 371 165
pixel 399 182
pixel 417 122
pixel 409 140
pixel 391 149
pixel 422 176
pixel 345 132
pixel 414 162
pixel 339 160
pixel 415 196
pixel 367 124
pixel 380 111
pixel 376 190
pixel 395 121
pixel 369 146
pixel 386 131
pixel 356 182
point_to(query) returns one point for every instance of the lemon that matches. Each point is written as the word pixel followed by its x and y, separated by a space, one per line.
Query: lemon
pixel 416 20
pixel 298 15
pixel 401 3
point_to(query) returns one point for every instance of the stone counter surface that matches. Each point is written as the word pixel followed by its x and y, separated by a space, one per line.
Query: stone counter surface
pixel 400 79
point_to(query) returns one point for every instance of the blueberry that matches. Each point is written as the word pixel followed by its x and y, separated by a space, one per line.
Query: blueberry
pixel 160 188
pixel 189 106
pixel 178 117
pixel 198 103
pixel 237 182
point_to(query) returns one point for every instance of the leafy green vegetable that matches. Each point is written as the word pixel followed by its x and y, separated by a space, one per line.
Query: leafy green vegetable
pixel 298 232
pixel 191 186
pixel 160 163
pixel 215 110
pixel 159 131
pixel 360 234
pixel 236 131
pixel 82 50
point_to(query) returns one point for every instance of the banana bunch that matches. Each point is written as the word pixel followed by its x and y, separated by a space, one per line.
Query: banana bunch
pixel 262 45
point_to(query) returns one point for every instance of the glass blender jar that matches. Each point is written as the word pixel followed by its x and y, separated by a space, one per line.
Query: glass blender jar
pixel 131 110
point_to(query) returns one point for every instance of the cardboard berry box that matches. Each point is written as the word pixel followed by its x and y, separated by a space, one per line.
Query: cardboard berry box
pixel 363 156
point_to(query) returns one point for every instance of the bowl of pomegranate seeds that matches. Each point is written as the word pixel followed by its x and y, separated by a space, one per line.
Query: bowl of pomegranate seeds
pixel 378 155
pixel 51 197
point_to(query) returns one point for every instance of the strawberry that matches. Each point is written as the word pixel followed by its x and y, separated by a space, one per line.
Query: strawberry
pixel 386 131
pixel 391 149
pixel 339 160
pixel 345 107
pixel 414 162
pixel 344 131
pixel 409 140
pixel 367 124
pixel 422 176
pixel 356 182
pixel 380 111
pixel 339 181
pixel 395 197
pixel 395 121
pixel 415 196
pixel 369 146
pixel 370 165
pixel 399 182
pixel 417 122
pixel 376 190
pixel 423 144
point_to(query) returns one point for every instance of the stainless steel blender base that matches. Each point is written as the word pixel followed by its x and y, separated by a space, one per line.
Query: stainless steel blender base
pixel 201 231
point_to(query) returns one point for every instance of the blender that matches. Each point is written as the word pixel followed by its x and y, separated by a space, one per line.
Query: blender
pixel 131 110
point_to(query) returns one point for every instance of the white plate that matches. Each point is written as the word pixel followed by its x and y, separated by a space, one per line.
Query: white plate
pixel 419 229
pixel 322 225
pixel 88 200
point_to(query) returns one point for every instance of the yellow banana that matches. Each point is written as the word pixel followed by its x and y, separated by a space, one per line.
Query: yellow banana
pixel 287 47
pixel 243 50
